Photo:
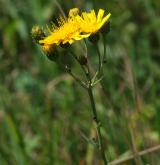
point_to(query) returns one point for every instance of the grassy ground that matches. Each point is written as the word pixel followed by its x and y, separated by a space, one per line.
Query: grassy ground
pixel 45 114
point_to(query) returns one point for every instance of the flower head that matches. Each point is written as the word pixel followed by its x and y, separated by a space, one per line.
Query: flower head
pixel 67 31
pixel 90 23
pixel 75 27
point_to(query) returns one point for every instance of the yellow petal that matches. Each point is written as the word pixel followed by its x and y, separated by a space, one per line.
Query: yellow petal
pixel 79 19
pixel 85 16
pixel 100 15
pixel 92 16
pixel 70 41
pixel 73 12
pixel 105 19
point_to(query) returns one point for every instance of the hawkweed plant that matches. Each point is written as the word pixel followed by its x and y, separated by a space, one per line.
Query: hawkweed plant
pixel 57 43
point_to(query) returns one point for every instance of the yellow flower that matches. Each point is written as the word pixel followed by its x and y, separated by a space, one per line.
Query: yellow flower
pixel 75 27
pixel 67 31
pixel 90 23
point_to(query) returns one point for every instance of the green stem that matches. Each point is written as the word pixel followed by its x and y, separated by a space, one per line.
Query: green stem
pixel 104 47
pixel 98 124
pixel 95 117
pixel 99 59
pixel 90 93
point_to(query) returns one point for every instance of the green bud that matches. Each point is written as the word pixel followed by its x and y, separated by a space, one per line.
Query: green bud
pixel 82 60
pixel 37 33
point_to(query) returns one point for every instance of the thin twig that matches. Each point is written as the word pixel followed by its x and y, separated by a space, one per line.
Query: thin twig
pixel 78 80
pixel 141 153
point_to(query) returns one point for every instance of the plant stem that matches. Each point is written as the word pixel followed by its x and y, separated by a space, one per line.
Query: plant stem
pixel 97 122
pixel 90 93
pixel 99 59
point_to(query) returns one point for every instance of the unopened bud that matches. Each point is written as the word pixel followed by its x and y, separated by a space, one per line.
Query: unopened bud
pixel 37 33
pixel 82 60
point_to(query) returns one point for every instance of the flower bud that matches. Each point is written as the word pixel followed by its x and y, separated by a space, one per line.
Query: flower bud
pixel 37 33
pixel 82 60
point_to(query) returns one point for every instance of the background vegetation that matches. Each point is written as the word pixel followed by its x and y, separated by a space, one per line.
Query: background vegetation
pixel 45 115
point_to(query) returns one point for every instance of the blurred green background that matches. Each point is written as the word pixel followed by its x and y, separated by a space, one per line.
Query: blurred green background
pixel 45 114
